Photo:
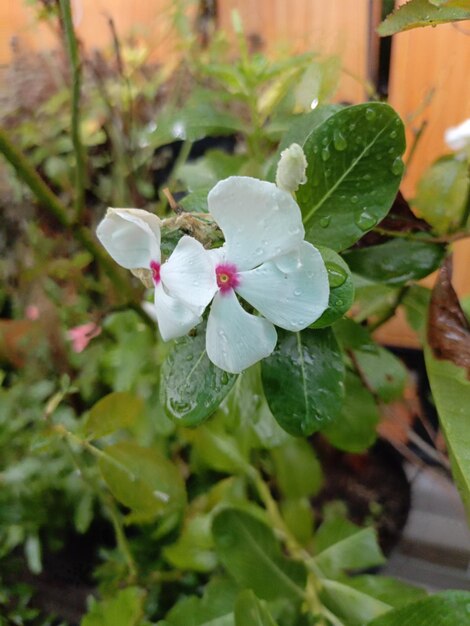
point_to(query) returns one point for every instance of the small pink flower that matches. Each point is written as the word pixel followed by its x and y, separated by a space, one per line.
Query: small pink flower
pixel 80 336
pixel 32 312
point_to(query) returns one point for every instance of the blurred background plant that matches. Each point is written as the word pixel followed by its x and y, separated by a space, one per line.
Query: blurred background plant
pixel 89 452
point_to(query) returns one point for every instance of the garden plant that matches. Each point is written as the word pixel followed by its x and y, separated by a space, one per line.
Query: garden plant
pixel 181 372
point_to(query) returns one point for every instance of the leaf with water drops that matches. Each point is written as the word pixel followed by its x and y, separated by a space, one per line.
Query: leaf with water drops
pixel 397 261
pixel 354 171
pixel 192 387
pixel 303 380
pixel 142 479
pixel 417 13
pixel 341 288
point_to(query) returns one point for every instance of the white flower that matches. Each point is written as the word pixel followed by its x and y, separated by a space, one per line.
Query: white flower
pixel 266 261
pixel 184 284
pixel 458 137
pixel 291 168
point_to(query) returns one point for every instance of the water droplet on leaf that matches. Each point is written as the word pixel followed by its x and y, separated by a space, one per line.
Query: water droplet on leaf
pixel 336 274
pixel 339 141
pixel 325 221
pixel 370 115
pixel 397 167
pixel 325 154
pixel 365 220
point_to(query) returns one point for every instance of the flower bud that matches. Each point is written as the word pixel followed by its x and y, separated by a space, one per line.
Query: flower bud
pixel 458 137
pixel 291 168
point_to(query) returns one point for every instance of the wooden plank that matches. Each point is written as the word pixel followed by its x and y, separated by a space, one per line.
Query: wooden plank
pixel 429 81
pixel 147 21
pixel 334 27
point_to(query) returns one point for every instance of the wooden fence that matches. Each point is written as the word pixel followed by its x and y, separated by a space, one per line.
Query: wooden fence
pixel 430 65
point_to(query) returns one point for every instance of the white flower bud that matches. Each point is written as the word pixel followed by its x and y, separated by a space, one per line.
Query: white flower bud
pixel 291 168
pixel 458 137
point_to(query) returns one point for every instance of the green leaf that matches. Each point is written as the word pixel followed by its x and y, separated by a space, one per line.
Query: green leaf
pixel 333 530
pixel 354 171
pixel 219 450
pixel 194 549
pixel 416 13
pixel 461 4
pixel 442 192
pixel 352 605
pixel 341 288
pixel 396 262
pixel 319 82
pixel 303 125
pixel 355 428
pixel 298 515
pixel 451 392
pixel 303 380
pixel 297 469
pixel 385 374
pixel 449 608
pixel 389 590
pixel 358 551
pixel 142 479
pixel 249 611
pixel 192 387
pixel 124 609
pixel 250 553
pixel 114 411
pixel 416 303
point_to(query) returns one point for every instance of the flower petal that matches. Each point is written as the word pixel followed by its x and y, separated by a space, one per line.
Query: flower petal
pixel 174 317
pixel 234 338
pixel 259 220
pixel 131 237
pixel 292 291
pixel 189 273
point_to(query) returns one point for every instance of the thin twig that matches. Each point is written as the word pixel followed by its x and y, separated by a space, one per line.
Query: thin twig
pixel 413 237
pixel 416 139
pixel 75 66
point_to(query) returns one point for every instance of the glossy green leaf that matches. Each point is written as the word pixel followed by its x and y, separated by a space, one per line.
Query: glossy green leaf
pixel 448 608
pixel 192 387
pixel 303 125
pixel 349 604
pixel 142 479
pixel 249 611
pixel 416 13
pixel 303 380
pixel 451 392
pixel 114 411
pixel 396 262
pixel 124 609
pixel 461 4
pixel 385 374
pixel 252 555
pixel 354 171
pixel 341 288
pixel 357 551
pixel 355 428
pixel 296 468
pixel 442 192
pixel 389 590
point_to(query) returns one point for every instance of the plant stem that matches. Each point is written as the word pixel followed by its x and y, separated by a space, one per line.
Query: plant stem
pixel 74 58
pixel 30 177
pixel 49 201
pixel 414 237
pixel 112 511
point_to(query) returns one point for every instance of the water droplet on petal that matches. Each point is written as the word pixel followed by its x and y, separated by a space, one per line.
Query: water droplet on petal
pixel 297 292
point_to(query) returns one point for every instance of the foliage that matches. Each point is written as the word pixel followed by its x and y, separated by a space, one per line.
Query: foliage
pixel 200 482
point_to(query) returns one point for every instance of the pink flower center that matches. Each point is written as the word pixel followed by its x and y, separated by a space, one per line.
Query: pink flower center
pixel 155 269
pixel 227 277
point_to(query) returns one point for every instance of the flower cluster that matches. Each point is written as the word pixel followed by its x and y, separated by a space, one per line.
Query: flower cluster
pixel 264 261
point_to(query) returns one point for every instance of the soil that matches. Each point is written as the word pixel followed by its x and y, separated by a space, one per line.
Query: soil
pixel 373 486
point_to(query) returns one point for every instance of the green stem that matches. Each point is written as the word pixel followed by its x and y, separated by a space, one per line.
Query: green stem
pixel 72 48
pixel 30 177
pixel 414 237
pixel 112 511
pixel 49 201
pixel 466 211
